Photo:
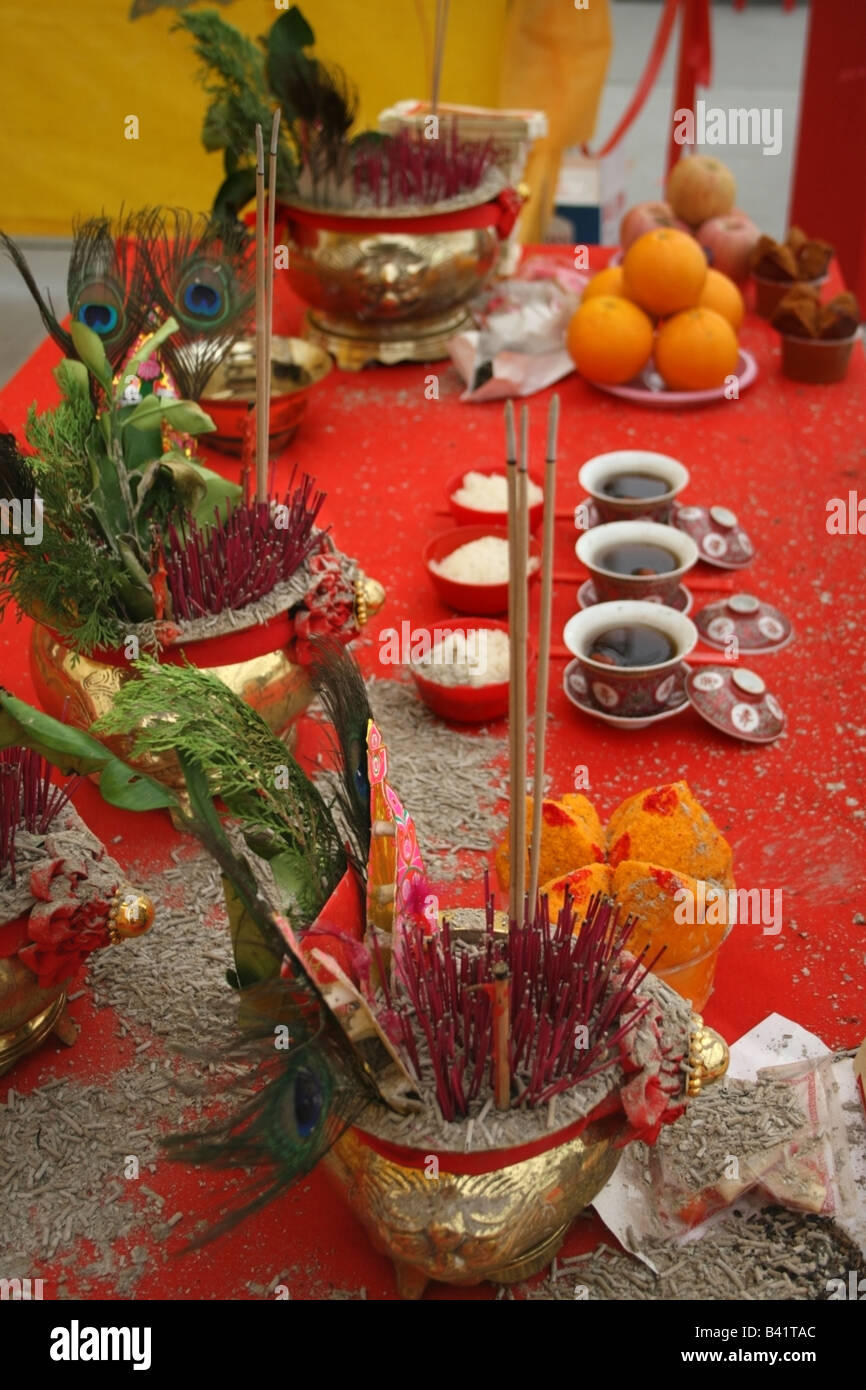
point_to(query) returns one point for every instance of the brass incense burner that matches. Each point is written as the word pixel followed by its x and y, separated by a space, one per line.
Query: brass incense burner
pixel 462 1219
pixel 29 1013
pixel 387 289
pixel 85 687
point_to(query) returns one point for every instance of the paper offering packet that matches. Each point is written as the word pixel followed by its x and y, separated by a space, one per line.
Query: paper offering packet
pixel 519 345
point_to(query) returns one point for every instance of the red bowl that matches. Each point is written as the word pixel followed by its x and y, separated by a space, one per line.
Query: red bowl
pixel 464 704
pixel 471 598
pixel 469 516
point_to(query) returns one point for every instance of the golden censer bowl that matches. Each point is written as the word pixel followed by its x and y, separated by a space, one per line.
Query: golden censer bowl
pixel 29 1013
pixel 501 1215
pixel 386 288
pixel 80 689
pixel 297 368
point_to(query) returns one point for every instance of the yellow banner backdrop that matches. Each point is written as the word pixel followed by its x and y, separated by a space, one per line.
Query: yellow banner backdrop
pixel 73 73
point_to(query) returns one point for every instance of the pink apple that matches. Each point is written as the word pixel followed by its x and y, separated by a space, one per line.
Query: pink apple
pixel 728 242
pixel 644 217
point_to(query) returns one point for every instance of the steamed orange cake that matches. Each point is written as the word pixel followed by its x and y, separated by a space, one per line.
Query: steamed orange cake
pixel 667 826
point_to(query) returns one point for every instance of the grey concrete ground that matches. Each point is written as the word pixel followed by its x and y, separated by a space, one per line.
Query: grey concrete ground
pixel 757 61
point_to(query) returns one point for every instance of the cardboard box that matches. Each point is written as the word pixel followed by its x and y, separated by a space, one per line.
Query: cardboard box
pixel 591 196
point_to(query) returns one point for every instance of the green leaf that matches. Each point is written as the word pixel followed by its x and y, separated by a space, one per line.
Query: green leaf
pixel 89 347
pixel 288 33
pixel 72 378
pixel 187 482
pixel 254 957
pixel 257 954
pixel 72 750
pixel 288 37
pixel 127 547
pixel 292 874
pixel 185 416
pixel 235 191
pixel 220 493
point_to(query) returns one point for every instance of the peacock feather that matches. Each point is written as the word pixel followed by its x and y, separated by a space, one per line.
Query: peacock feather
pixel 125 276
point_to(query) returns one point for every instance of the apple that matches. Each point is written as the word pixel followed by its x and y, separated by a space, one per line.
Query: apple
pixel 728 243
pixel 700 187
pixel 643 217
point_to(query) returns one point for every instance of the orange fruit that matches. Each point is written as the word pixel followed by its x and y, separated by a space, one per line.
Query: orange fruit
pixel 665 270
pixel 696 350
pixel 610 340
pixel 607 281
pixel 720 293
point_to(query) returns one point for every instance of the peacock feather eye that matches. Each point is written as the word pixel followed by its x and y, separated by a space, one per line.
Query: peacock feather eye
pixel 309 1101
pixel 202 296
pixel 102 318
pixel 100 306
pixel 299 1104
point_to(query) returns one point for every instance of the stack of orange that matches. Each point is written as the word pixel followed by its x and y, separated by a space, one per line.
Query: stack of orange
pixel 658 849
pixel 664 277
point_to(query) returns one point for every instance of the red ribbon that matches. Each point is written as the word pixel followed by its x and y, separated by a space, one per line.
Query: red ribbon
pixel 227 650
pixel 646 83
pixel 491 1160
pixel 500 213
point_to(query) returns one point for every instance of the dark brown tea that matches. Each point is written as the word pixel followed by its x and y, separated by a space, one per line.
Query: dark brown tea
pixel 635 645
pixel 638 557
pixel 635 486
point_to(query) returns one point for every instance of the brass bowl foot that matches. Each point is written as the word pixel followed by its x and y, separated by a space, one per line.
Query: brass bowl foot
pixel 354 345
pixel 411 1282
pixel 19 1041
pixel 66 1029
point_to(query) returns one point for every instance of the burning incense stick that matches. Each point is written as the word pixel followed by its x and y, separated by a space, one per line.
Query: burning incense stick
pixel 518 645
pixel 543 649
pixel 262 363
pixel 511 476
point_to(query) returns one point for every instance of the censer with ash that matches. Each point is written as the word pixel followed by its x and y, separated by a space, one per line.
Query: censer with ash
pixel 470 1079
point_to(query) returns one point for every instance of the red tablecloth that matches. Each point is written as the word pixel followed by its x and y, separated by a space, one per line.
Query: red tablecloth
pixel 794 811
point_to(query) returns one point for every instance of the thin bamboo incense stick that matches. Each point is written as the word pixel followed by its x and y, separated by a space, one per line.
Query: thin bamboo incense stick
pixel 425 38
pixel 511 477
pixel 543 650
pixel 439 50
pixel 262 363
pixel 518 644
pixel 269 268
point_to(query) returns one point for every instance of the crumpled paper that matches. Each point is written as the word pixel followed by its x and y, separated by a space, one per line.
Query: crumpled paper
pixel 518 347
pixel 781 1050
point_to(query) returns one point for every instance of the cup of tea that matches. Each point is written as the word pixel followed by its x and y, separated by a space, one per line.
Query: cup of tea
pixel 633 484
pixel 640 560
pixel 628 653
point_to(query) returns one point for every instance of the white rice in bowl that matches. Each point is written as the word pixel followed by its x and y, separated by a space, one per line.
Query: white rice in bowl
pixel 484 561
pixel 478 656
pixel 488 492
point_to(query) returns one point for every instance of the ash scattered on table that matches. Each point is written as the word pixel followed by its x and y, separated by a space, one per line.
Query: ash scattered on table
pixel 752 1117
pixel 64 1148
pixel 772 1254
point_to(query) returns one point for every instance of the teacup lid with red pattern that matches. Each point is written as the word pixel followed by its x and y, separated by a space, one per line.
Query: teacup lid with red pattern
pixel 717 533
pixel 736 701
pixel 755 626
